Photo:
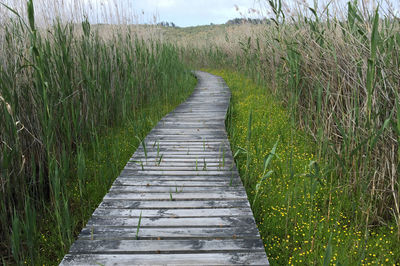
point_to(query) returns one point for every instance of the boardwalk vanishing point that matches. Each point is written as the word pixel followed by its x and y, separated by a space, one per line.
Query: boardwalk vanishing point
pixel 179 199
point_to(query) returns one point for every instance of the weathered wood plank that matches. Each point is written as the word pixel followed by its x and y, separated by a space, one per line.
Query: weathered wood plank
pixel 224 195
pixel 199 143
pixel 200 150
pixel 172 164
pixel 194 166
pixel 195 204
pixel 189 125
pixel 172 222
pixel 179 183
pixel 167 246
pixel 195 119
pixel 188 144
pixel 196 169
pixel 248 258
pixel 194 154
pixel 200 136
pixel 172 176
pixel 172 213
pixel 172 189
pixel 151 139
pixel 188 131
pixel 126 233
pixel 179 156
pixel 182 172
pixel 194 137
pixel 164 163
pixel 128 176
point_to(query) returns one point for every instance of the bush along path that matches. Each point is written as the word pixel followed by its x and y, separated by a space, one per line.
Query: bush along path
pixel 179 199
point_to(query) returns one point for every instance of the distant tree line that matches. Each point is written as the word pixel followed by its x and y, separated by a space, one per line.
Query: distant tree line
pixel 167 24
pixel 237 21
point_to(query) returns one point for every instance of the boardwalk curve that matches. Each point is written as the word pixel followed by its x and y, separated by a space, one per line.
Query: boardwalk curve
pixel 183 188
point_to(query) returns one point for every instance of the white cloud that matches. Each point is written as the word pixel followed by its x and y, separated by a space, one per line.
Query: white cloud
pixel 166 3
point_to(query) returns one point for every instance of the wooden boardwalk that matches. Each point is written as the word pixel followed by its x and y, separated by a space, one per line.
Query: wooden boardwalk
pixel 183 187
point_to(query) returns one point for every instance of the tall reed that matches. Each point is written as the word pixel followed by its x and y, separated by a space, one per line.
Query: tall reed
pixel 339 75
pixel 59 90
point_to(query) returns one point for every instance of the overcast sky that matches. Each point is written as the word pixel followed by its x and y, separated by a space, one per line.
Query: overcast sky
pixel 202 12
pixel 190 13
pixel 182 12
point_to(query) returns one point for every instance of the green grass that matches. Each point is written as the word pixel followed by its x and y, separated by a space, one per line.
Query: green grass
pixel 300 205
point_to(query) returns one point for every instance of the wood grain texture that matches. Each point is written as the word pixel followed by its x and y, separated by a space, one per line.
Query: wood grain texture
pixel 179 200
pixel 223 258
pixel 166 246
pixel 183 233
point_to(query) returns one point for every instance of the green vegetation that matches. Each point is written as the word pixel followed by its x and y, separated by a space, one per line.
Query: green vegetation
pixel 337 77
pixel 71 105
pixel 300 209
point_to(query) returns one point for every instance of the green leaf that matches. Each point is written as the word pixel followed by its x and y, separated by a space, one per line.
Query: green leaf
pixel 379 133
pixel 314 12
pixel 138 226
pixel 249 125
pixel 328 252
pixel 374 35
pixel 31 15
pixel 271 154
pixel 270 172
pixel 21 21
